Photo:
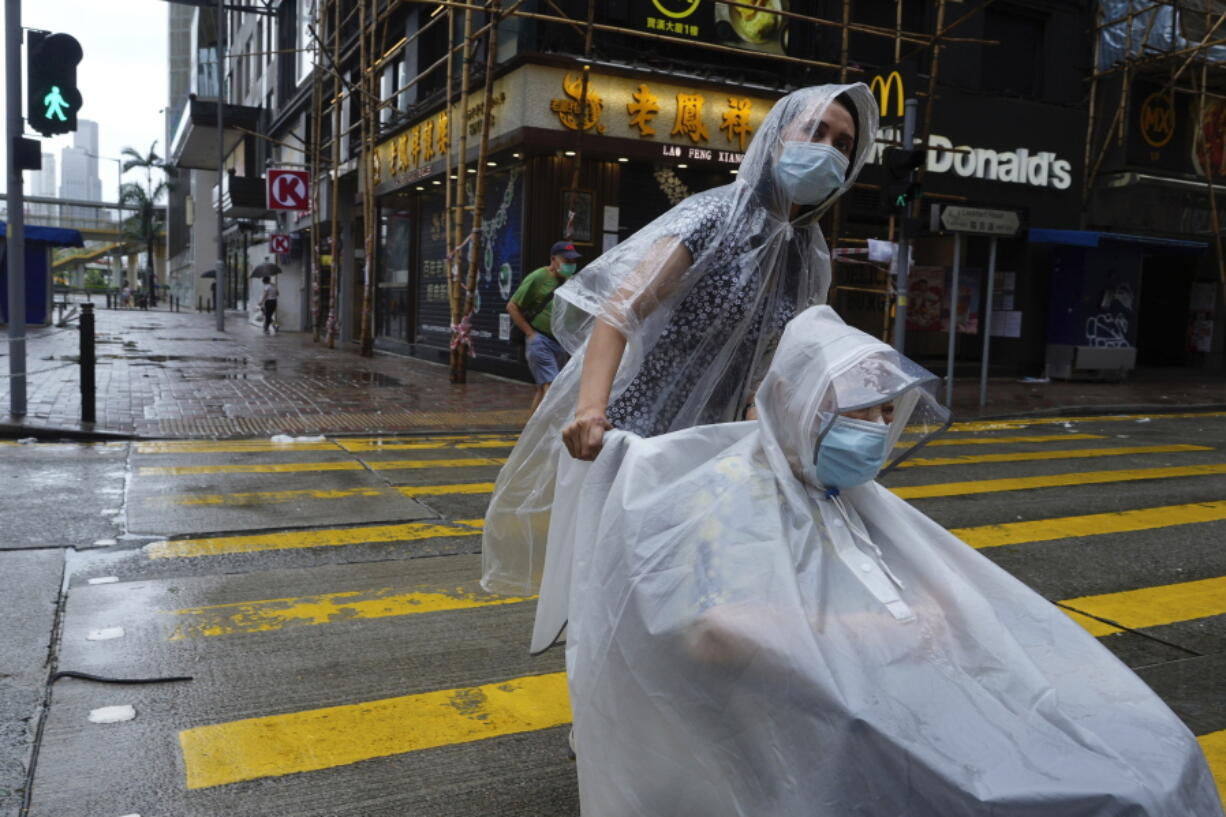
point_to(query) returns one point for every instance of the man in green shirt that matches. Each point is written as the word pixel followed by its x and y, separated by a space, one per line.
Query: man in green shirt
pixel 531 307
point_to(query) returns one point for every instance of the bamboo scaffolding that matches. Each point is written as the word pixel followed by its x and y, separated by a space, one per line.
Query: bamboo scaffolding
pixel 455 289
pixel 330 328
pixel 339 46
pixel 461 341
pixel 316 200
pixel 370 127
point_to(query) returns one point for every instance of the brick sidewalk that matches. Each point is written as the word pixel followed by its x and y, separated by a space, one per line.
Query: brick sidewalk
pixel 164 374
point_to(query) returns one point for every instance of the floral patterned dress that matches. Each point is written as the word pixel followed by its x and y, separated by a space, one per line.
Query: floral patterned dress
pixel 720 298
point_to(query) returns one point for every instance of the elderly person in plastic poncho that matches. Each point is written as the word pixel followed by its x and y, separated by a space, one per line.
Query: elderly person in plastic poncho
pixel 758 628
pixel 675 326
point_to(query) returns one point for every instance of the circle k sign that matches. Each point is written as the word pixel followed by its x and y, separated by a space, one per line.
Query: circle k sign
pixel 280 244
pixel 289 190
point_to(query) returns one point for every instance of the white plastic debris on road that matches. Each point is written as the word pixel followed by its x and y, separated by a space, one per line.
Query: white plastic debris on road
pixel 1144 420
pixel 112 714
pixel 285 438
pixel 104 634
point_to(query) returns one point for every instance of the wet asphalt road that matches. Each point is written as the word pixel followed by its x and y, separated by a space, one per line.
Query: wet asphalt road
pixel 322 596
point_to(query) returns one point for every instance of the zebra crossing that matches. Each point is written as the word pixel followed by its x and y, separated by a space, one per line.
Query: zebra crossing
pixel 358 668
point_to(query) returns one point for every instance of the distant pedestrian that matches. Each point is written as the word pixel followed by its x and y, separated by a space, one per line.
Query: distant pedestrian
pixel 268 302
pixel 531 307
pixel 125 294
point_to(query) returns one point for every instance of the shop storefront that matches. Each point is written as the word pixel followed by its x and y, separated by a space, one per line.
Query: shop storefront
pixel 1150 202
pixel 640 145
pixel 984 151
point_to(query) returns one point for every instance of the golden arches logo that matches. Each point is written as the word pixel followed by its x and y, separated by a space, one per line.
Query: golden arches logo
pixel 880 88
pixel 676 15
pixel 1158 119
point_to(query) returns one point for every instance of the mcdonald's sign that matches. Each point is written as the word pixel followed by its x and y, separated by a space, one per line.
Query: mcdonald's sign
pixel 890 88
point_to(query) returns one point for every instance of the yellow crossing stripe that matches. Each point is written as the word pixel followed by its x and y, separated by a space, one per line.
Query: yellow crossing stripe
pixel 1071 454
pixel 1214 747
pixel 274 614
pixel 1001 425
pixel 357 447
pixel 442 490
pixel 1043 530
pixel 1033 438
pixel 425 438
pixel 268 468
pixel 988 486
pixel 262 497
pixel 332 537
pixel 339 735
pixel 396 465
pixel 1152 606
pixel 229 447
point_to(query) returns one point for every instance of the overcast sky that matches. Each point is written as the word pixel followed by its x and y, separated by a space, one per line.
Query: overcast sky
pixel 122 76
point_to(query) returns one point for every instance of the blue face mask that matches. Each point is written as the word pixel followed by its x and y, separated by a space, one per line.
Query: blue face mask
pixel 566 268
pixel 851 453
pixel 810 172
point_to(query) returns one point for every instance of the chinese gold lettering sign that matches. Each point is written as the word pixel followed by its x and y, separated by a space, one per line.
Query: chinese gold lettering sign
pixel 568 109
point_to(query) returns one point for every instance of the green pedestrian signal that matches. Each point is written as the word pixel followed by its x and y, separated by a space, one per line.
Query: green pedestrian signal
pixel 52 97
pixel 55 105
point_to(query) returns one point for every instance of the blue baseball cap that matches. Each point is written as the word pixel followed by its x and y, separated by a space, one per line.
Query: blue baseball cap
pixel 566 249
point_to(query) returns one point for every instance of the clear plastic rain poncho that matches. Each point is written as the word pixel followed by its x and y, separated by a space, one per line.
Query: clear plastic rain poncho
pixel 701 295
pixel 743 640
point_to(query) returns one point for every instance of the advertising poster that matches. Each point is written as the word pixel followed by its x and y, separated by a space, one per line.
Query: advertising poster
pixel 498 268
pixel 752 25
pixel 928 299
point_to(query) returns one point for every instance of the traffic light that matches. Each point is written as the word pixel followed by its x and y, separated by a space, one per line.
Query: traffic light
pixel 900 188
pixel 52 97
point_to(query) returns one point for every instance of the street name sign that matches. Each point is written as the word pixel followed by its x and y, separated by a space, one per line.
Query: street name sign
pixel 289 190
pixel 980 220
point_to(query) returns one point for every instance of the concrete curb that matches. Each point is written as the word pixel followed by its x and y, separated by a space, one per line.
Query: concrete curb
pixel 1094 411
pixel 44 433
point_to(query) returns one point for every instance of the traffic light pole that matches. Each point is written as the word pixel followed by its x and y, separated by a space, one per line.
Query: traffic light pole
pixel 902 258
pixel 219 291
pixel 16 239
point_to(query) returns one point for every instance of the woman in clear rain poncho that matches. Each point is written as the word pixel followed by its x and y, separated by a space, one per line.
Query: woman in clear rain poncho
pixel 682 316
pixel 758 628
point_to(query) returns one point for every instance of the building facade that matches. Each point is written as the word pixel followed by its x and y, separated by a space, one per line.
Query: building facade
pixel 591 137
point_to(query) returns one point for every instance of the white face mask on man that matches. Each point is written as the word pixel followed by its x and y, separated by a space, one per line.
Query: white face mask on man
pixel 810 172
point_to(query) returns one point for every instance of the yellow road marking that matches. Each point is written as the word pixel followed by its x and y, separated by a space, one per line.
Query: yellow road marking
pixel 229 447
pixel 1070 454
pixel 274 614
pixel 331 537
pixel 441 490
pixel 424 438
pixel 1000 425
pixel 339 735
pixel 1032 438
pixel 988 486
pixel 1154 606
pixel 1214 747
pixel 396 465
pixel 262 497
pixel 422 446
pixel 1043 530
pixel 268 468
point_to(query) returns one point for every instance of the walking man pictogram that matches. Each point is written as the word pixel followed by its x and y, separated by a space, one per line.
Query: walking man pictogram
pixel 56 104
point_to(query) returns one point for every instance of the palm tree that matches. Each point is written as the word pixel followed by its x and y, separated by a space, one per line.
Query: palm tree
pixel 149 162
pixel 146 224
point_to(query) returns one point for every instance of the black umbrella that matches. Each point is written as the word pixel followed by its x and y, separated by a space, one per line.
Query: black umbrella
pixel 210 274
pixel 266 269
